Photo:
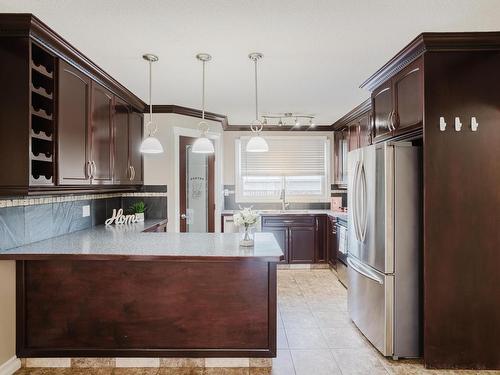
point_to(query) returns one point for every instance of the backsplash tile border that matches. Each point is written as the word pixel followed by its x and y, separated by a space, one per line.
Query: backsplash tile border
pixel 29 201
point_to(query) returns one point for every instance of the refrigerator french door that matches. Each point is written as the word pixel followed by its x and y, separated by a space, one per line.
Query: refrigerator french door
pixel 384 199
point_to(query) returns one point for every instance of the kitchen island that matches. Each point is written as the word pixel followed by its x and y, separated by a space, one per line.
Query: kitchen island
pixel 120 292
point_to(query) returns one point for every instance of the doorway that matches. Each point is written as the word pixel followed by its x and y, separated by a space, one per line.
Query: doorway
pixel 196 188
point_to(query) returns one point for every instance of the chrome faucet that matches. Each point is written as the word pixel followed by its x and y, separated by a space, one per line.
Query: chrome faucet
pixel 284 204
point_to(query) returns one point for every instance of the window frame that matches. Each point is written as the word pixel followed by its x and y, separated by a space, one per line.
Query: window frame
pixel 324 198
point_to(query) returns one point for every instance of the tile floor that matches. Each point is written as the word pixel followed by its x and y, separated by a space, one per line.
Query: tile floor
pixel 315 337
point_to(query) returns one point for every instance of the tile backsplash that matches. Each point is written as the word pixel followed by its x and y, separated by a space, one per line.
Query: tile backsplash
pixel 24 220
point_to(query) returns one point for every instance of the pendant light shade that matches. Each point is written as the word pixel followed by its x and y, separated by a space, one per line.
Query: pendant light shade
pixel 256 143
pixel 203 145
pixel 150 144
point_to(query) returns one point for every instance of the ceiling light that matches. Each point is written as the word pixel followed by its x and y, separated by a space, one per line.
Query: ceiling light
pixel 280 122
pixel 297 122
pixel 311 123
pixel 151 145
pixel 203 145
pixel 256 142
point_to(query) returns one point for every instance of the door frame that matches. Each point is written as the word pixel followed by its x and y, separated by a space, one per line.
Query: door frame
pixel 216 137
pixel 183 181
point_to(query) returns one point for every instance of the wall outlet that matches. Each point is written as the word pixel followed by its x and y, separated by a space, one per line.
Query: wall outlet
pixel 86 211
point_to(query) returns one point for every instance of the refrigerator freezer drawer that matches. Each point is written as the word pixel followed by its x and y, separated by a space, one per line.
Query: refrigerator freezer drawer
pixel 370 302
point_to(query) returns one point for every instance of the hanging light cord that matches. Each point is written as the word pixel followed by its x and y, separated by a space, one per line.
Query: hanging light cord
pixel 155 128
pixel 256 93
pixel 203 93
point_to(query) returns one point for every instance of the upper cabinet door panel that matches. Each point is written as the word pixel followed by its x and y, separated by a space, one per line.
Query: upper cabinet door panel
pixel 121 170
pixel 408 97
pixel 382 109
pixel 73 126
pixel 135 139
pixel 365 131
pixel 101 125
pixel 353 136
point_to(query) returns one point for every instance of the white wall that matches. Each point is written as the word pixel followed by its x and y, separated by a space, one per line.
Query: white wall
pixel 8 311
pixel 159 169
pixel 229 156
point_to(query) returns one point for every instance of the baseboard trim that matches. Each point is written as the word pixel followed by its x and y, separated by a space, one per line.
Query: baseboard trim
pixel 11 366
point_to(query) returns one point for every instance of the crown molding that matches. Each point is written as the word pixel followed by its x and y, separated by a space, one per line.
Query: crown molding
pixel 352 115
pixel 433 42
pixel 28 25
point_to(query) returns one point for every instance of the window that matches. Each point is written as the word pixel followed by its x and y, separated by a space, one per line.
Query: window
pixel 300 165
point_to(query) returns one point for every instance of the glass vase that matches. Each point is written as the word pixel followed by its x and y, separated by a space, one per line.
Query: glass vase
pixel 247 236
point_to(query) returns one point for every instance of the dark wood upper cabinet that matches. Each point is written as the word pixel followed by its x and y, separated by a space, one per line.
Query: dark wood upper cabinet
pixel 121 167
pixel 353 136
pixel 365 130
pixel 135 138
pixel 340 149
pixel 63 106
pixel 398 103
pixel 73 126
pixel 408 98
pixel 382 110
pixel 101 134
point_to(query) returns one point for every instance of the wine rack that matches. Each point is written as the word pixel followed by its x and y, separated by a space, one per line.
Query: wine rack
pixel 42 109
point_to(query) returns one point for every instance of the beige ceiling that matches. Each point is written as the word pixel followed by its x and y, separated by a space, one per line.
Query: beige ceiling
pixel 316 52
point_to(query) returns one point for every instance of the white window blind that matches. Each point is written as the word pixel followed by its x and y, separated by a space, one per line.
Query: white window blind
pixel 299 165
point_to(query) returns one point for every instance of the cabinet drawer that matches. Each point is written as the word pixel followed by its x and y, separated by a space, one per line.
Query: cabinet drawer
pixel 288 220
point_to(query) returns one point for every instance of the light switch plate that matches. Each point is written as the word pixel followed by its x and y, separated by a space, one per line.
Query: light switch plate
pixel 86 211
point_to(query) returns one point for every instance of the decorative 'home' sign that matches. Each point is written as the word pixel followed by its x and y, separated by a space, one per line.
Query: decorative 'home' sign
pixel 119 218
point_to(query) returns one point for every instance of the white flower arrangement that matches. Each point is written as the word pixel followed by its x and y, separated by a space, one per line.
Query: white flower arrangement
pixel 246 217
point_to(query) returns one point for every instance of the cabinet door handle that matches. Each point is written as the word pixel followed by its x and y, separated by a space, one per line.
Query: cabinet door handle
pixel 133 172
pixel 93 168
pixel 130 177
pixel 389 121
pixel 89 169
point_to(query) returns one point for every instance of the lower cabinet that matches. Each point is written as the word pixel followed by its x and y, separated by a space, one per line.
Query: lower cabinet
pixel 281 234
pixel 302 238
pixel 301 245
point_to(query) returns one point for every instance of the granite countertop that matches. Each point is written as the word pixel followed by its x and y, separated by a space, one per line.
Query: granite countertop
pixel 129 242
pixel 342 215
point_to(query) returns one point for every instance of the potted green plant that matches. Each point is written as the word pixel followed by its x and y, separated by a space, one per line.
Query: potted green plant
pixel 138 208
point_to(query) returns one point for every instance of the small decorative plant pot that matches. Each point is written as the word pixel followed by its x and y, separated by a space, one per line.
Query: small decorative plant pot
pixel 247 236
pixel 140 217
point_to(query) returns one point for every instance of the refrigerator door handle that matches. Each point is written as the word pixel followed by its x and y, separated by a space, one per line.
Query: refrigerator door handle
pixel 355 201
pixel 364 211
pixel 362 270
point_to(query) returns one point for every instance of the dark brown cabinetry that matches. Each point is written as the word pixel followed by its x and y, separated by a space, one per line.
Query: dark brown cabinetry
pixel 398 103
pixel 352 131
pixel 340 149
pixel 332 241
pixel 302 238
pixel 64 108
pixel 135 138
pixel 73 126
pixel 101 131
pixel 127 140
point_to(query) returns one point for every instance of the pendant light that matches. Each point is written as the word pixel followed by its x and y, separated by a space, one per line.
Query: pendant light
pixel 203 145
pixel 256 143
pixel 151 145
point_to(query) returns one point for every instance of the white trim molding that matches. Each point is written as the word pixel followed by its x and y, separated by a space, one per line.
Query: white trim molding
pixel 188 132
pixel 11 366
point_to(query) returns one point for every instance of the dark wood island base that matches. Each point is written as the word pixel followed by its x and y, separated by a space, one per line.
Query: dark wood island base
pixel 184 307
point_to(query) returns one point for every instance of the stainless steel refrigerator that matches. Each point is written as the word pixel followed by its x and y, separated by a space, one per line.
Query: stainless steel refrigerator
pixel 384 200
